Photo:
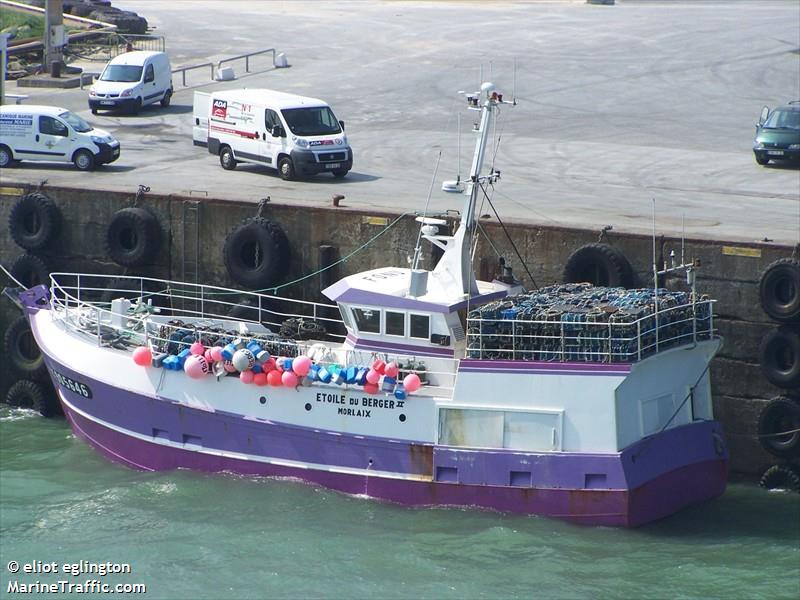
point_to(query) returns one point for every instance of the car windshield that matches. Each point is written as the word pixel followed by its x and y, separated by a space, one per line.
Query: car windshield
pixel 783 119
pixel 318 120
pixel 121 73
pixel 76 122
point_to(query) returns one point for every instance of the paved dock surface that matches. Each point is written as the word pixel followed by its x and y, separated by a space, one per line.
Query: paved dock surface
pixel 617 106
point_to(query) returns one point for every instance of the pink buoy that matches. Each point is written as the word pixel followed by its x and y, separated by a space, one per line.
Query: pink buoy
pixel 274 378
pixel 373 377
pixel 268 365
pixel 371 388
pixel 207 356
pixel 260 379
pixel 246 376
pixel 391 369
pixel 196 366
pixel 289 379
pixel 142 356
pixel 378 366
pixel 301 366
pixel 216 354
pixel 411 383
pixel 197 348
pixel 228 366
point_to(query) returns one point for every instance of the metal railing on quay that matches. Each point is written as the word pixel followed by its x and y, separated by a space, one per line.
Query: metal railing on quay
pixel 246 58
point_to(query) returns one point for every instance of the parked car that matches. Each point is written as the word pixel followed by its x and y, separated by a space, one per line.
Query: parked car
pixel 51 133
pixel 132 80
pixel 778 134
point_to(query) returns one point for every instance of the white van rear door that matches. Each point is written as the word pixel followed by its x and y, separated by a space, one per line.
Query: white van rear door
pixel 202 101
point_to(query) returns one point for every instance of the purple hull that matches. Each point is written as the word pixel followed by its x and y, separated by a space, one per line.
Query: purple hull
pixel 647 481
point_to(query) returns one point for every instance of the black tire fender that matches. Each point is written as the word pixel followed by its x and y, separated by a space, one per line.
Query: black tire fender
pixel 31 270
pixel 599 264
pixel 31 394
pixel 779 290
pixel 34 221
pixel 133 237
pixel 783 477
pixel 22 353
pixel 256 253
pixel 781 415
pixel 779 356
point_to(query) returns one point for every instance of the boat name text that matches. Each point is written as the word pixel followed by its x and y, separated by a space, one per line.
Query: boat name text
pixel 73 386
pixel 358 406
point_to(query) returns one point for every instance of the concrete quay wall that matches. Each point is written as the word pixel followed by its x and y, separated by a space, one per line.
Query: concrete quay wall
pixel 729 272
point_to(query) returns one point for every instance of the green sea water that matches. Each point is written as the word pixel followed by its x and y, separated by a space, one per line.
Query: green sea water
pixel 192 535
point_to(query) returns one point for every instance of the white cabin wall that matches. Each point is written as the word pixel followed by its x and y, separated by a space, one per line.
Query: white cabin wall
pixel 587 401
pixel 642 406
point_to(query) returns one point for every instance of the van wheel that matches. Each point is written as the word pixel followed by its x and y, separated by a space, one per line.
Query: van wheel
pixel 166 99
pixel 226 158
pixel 339 173
pixel 762 160
pixel 136 106
pixel 84 160
pixel 6 157
pixel 286 169
pixel 94 111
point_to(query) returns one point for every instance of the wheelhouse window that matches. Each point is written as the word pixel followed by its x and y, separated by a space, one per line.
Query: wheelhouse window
pixel 367 320
pixel 346 317
pixel 419 326
pixel 395 323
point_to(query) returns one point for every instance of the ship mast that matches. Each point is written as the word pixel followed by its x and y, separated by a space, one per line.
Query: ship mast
pixel 456 261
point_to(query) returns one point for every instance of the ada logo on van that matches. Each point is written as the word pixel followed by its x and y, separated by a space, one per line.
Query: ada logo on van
pixel 220 109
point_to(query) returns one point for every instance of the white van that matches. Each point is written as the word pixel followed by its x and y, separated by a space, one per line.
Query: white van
pixel 131 81
pixel 293 134
pixel 53 134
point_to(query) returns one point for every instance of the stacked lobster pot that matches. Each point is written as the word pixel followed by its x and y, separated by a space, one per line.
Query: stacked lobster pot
pixel 582 322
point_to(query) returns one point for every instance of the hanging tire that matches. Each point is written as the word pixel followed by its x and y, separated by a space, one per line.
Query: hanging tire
pixel 31 270
pixel 22 353
pixel 779 290
pixel 34 221
pixel 779 427
pixel 781 477
pixel 779 355
pixel 256 253
pixel 134 237
pixel 599 264
pixel 30 394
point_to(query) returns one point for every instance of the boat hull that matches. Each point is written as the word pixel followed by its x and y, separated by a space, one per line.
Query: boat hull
pixel 648 481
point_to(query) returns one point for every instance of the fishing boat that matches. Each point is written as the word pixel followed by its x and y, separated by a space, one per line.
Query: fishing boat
pixel 428 388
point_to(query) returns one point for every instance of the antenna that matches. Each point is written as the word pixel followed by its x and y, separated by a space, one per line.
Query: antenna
pixel 418 249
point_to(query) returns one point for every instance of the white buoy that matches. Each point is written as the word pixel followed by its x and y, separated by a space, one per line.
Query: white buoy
pixel 281 62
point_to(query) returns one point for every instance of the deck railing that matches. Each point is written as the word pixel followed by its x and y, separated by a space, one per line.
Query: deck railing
pixel 156 317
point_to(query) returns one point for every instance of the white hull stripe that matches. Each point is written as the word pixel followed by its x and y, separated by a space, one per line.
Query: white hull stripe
pixel 239 455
